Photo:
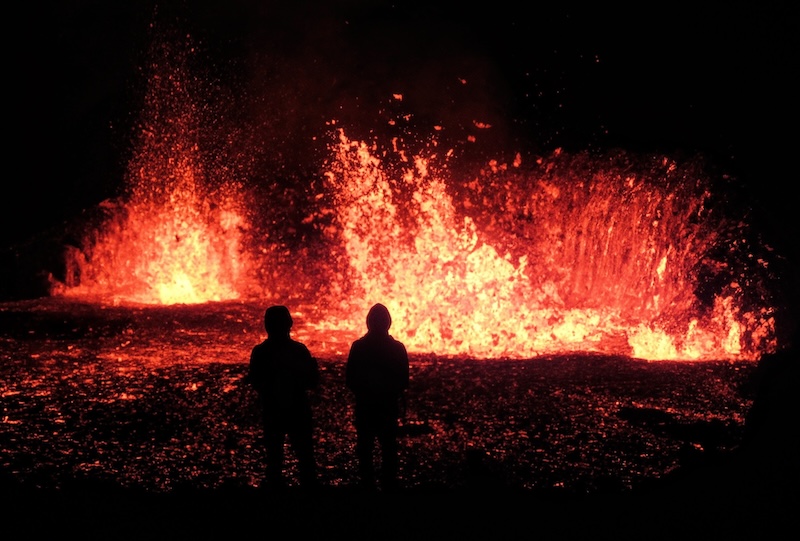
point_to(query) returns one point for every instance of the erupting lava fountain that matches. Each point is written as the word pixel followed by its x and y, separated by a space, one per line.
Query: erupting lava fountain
pixel 617 254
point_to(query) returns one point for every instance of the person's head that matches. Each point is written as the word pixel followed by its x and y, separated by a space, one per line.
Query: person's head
pixel 277 320
pixel 378 319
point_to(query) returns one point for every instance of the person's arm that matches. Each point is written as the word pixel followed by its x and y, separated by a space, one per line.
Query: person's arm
pixel 306 365
pixel 253 376
pixel 313 372
pixel 405 370
pixel 349 370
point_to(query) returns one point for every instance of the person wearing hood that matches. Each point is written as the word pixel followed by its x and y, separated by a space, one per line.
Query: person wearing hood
pixel 283 372
pixel 377 373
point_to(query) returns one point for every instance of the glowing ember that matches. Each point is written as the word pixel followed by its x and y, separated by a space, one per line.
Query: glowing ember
pixel 177 238
pixel 565 253
pixel 605 262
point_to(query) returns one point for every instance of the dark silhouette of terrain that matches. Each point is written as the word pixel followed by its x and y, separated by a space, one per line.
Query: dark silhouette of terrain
pixel 750 491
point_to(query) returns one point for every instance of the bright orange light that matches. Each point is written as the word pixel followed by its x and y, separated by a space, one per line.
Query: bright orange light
pixel 176 238
pixel 565 254
pixel 601 263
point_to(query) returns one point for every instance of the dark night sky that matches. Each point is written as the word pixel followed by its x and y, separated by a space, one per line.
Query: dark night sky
pixel 716 79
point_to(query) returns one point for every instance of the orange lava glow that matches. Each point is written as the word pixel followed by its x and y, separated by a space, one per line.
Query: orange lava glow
pixel 602 263
pixel 176 235
pixel 519 260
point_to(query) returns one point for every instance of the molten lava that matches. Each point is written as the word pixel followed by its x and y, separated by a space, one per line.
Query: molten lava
pixel 176 236
pixel 594 259
pixel 562 254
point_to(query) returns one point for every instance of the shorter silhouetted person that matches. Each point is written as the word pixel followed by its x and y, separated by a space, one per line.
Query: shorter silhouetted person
pixel 283 371
pixel 377 372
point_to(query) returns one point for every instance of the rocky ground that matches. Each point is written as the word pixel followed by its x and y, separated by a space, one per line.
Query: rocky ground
pixel 116 422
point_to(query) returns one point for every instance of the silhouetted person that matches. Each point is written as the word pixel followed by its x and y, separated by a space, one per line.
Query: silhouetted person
pixel 377 372
pixel 772 430
pixel 283 371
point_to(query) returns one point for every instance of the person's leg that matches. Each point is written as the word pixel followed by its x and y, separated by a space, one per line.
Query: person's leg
pixel 365 447
pixel 390 460
pixel 302 442
pixel 273 443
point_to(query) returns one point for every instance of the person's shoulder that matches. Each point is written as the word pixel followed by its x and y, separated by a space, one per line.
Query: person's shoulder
pixel 299 346
pixel 259 354
pixel 358 347
pixel 397 342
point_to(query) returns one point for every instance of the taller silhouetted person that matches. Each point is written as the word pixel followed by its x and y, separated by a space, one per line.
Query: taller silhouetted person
pixel 283 371
pixel 377 372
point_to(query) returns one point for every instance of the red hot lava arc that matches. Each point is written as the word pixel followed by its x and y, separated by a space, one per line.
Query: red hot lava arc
pixel 600 263
pixel 565 255
pixel 176 235
pixel 602 260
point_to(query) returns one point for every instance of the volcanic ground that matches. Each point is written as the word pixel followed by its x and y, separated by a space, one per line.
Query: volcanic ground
pixel 101 399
